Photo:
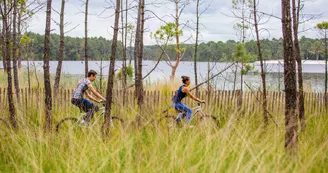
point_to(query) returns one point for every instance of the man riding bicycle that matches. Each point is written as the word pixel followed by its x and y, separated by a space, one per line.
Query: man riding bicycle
pixel 83 104
pixel 181 93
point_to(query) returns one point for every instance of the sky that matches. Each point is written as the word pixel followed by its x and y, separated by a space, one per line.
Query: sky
pixel 216 23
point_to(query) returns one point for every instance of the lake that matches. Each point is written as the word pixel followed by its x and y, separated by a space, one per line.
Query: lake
pixel 313 72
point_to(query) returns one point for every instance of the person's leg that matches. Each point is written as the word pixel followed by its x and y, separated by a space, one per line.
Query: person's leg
pixel 90 108
pixel 182 108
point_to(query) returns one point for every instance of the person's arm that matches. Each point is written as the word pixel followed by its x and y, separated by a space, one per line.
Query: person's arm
pixel 187 91
pixel 95 92
pixel 91 98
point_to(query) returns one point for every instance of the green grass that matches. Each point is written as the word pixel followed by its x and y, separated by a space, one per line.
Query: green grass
pixel 238 146
pixel 244 146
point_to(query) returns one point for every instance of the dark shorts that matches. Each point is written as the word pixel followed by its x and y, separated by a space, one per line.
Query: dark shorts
pixel 84 105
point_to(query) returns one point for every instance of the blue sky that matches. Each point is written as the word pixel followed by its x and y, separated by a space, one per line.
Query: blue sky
pixel 216 25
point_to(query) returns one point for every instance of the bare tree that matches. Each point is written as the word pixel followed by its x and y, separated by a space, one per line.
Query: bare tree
pixel 110 83
pixel 86 38
pixel 14 52
pixel 140 55
pixel 297 53
pixel 3 43
pixel 259 51
pixel 137 49
pixel 291 122
pixel 47 83
pixel 323 28
pixel 5 9
pixel 124 39
pixel 61 48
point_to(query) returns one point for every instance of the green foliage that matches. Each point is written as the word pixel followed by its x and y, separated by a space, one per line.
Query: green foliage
pixel 129 72
pixel 210 51
pixel 322 26
pixel 167 32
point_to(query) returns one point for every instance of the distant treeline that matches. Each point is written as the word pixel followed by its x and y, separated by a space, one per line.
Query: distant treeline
pixel 99 47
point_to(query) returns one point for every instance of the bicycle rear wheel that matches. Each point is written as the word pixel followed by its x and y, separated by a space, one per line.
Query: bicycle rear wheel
pixel 66 124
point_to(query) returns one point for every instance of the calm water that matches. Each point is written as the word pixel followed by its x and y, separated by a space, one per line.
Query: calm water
pixel 313 76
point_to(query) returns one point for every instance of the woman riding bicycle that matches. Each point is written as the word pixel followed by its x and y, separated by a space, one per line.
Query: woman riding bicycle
pixel 181 93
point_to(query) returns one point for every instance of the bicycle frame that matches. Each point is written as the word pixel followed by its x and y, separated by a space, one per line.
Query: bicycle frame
pixel 195 110
pixel 96 118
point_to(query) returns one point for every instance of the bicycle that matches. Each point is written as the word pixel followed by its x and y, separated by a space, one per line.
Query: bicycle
pixel 77 122
pixel 171 121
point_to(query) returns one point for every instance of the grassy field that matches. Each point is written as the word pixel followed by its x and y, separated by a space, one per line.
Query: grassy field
pixel 237 146
pixel 242 146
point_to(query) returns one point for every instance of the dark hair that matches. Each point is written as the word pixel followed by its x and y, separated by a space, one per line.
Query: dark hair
pixel 92 73
pixel 185 79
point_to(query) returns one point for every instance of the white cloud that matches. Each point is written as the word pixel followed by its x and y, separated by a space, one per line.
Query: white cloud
pixel 215 26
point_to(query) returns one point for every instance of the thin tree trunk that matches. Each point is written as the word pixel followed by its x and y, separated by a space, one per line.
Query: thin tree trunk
pixel 110 83
pixel 28 75
pixel 124 54
pixel 137 49
pixel 19 36
pixel 291 122
pixel 130 48
pixel 326 72
pixel 47 83
pixel 196 47
pixel 14 53
pixel 4 58
pixel 61 49
pixel 177 37
pixel 86 39
pixel 6 54
pixel 264 96
pixel 297 54
pixel 101 74
pixel 140 55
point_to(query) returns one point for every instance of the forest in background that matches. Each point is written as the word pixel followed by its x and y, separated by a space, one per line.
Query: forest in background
pixel 99 47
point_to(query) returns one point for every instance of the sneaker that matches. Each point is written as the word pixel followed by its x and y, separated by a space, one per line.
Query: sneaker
pixel 84 123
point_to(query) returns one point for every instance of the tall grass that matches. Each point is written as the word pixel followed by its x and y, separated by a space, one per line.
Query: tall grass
pixel 243 145
pixel 238 146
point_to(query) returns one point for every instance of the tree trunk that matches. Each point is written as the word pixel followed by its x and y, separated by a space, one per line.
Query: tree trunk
pixel 101 74
pixel 297 54
pixel 6 54
pixel 291 123
pixel 137 49
pixel 124 53
pixel 110 83
pixel 177 37
pixel 196 48
pixel 326 73
pixel 86 39
pixel 3 43
pixel 61 49
pixel 19 36
pixel 140 55
pixel 14 53
pixel 264 104
pixel 47 83
pixel 130 48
